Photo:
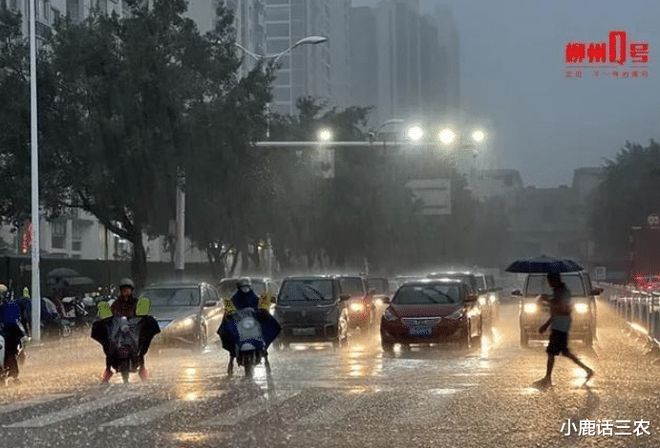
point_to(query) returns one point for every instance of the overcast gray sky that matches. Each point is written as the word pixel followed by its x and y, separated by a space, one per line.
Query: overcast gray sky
pixel 513 73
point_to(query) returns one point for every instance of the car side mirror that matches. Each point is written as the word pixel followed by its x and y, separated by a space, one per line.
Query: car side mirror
pixel 596 291
pixel 386 300
pixel 472 298
pixel 210 303
pixel 344 297
pixel 516 292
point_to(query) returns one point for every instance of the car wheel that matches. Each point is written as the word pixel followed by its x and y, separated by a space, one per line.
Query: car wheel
pixel 477 338
pixel 201 340
pixel 524 338
pixel 467 339
pixel 388 347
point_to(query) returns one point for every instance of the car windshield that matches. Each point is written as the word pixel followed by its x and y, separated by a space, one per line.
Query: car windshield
pixel 227 287
pixel 306 290
pixel 427 295
pixel 538 284
pixel 381 285
pixel 352 286
pixel 172 297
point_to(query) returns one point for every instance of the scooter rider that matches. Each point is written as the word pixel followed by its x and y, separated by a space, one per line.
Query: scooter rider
pixel 243 298
pixel 125 306
pixel 12 331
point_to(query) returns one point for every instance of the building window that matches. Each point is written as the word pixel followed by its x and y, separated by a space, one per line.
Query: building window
pixel 278 14
pixel 76 236
pixel 58 234
pixel 277 29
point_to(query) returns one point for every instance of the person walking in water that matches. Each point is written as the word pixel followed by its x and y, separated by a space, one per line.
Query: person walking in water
pixel 560 326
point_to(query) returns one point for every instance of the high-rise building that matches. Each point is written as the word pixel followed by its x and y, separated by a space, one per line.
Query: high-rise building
pixel 405 63
pixel 312 70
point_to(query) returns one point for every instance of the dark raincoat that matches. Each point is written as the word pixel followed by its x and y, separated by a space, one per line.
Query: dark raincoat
pixel 270 328
pixel 147 328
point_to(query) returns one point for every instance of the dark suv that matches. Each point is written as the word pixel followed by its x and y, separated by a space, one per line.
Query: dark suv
pixel 312 309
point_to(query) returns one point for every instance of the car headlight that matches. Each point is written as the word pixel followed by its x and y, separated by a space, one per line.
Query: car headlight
pixel 482 300
pixel 530 308
pixel 186 323
pixel 356 307
pixel 581 308
pixel 458 314
pixel 388 314
pixel 378 302
pixel 492 298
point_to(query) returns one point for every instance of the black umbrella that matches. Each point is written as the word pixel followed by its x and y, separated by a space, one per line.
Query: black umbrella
pixel 62 273
pixel 543 265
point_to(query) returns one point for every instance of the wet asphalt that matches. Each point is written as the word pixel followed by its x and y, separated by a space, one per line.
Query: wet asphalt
pixel 357 396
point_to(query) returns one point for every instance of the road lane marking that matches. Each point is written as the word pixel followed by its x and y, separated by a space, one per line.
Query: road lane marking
pixel 4 409
pixel 76 410
pixel 148 415
pixel 249 409
pixel 335 408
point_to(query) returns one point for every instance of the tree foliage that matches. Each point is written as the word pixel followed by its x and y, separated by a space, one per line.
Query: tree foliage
pixel 15 119
pixel 630 191
pixel 134 101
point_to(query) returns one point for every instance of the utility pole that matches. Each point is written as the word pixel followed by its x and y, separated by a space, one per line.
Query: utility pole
pixel 34 174
pixel 179 250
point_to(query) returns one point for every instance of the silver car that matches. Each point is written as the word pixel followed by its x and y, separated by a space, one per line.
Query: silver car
pixel 187 313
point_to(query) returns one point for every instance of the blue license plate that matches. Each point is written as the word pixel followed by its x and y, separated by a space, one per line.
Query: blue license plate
pixel 420 331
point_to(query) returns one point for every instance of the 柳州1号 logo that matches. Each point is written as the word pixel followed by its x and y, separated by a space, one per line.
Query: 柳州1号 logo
pixel 616 57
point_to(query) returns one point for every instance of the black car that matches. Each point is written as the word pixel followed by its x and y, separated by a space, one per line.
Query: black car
pixel 187 313
pixel 312 309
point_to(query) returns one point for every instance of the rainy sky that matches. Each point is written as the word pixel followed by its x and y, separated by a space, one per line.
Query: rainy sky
pixel 513 73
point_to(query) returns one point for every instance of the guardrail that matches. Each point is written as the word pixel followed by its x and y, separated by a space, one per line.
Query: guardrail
pixel 640 309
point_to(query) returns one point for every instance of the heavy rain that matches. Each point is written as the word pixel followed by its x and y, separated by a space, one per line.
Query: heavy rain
pixel 329 223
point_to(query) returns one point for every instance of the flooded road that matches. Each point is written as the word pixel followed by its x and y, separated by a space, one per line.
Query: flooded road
pixel 316 396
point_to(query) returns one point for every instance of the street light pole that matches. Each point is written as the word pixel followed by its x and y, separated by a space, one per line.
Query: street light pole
pixel 309 40
pixel 34 174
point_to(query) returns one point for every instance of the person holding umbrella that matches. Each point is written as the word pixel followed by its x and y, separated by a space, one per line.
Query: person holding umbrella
pixel 560 310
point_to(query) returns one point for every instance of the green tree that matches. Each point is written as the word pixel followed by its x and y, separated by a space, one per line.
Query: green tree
pixel 630 191
pixel 15 119
pixel 131 95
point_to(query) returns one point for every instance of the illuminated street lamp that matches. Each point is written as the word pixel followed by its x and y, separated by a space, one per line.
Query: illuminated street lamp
pixel 415 133
pixel 478 136
pixel 324 135
pixel 447 136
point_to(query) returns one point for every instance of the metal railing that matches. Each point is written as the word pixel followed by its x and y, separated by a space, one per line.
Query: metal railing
pixel 640 309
